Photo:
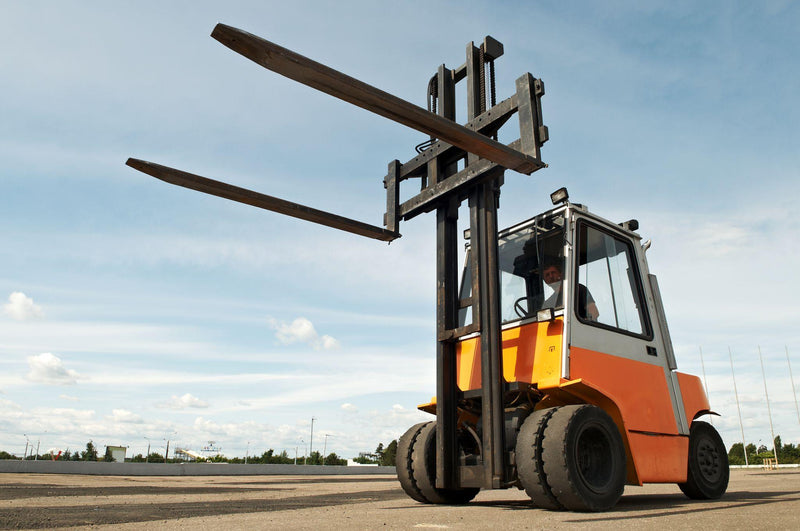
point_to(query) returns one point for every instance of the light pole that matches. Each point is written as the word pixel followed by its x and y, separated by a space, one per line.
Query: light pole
pixel 167 437
pixel 769 410
pixel 147 455
pixel 27 442
pixel 247 453
pixel 311 444
pixel 297 444
pixel 324 448
pixel 739 409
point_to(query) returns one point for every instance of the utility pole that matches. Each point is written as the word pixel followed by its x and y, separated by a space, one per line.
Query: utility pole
pixel 769 410
pixel 705 382
pixel 147 455
pixel 324 448
pixel 791 378
pixel 311 443
pixel 739 409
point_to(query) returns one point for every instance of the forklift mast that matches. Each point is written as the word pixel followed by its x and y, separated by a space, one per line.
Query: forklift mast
pixel 443 187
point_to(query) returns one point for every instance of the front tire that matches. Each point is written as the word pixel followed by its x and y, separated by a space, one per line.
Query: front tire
pixel 708 471
pixel 530 468
pixel 583 458
pixel 423 468
pixel 403 462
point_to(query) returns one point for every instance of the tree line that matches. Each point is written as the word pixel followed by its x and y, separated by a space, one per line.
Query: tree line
pixel 787 453
pixel 383 456
pixel 268 457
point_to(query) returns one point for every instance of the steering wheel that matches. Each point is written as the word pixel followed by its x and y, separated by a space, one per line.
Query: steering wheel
pixel 520 310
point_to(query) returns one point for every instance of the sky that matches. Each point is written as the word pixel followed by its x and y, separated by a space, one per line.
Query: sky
pixel 133 312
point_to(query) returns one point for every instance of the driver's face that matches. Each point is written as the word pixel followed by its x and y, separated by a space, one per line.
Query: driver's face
pixel 551 275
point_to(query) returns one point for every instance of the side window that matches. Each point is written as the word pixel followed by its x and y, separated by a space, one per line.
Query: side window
pixel 607 278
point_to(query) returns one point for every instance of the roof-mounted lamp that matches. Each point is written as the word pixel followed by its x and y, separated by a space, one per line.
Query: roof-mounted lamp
pixel 559 196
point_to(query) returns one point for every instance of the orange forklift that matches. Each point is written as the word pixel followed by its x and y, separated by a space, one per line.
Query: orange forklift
pixel 591 399
pixel 555 369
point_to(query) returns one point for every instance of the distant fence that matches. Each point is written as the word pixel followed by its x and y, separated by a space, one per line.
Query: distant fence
pixel 101 468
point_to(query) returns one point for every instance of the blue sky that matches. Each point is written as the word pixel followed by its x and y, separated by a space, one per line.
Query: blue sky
pixel 151 311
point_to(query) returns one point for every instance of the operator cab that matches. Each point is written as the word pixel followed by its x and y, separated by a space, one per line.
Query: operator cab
pixel 525 250
pixel 607 290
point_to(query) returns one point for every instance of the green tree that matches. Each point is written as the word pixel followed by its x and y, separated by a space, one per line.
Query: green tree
pixel 66 456
pixel 265 458
pixel 332 460
pixel 366 458
pixel 155 458
pixel 736 454
pixel 389 454
pixel 90 454
pixel 108 458
pixel 282 458
pixel 6 455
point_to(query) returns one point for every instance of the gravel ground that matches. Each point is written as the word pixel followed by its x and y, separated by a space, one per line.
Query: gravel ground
pixel 755 500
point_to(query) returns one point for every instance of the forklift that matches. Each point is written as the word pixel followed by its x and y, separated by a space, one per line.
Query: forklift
pixel 555 368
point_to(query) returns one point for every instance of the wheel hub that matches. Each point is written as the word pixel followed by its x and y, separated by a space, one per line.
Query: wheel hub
pixel 594 459
pixel 708 460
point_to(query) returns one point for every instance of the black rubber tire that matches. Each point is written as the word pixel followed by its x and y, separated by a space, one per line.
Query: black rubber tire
pixel 403 462
pixel 529 460
pixel 708 471
pixel 423 469
pixel 583 458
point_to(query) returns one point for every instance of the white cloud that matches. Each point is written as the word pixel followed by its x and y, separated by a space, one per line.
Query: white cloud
pixel 8 405
pixel 65 414
pixel 125 416
pixel 350 408
pixel 68 397
pixel 329 343
pixel 183 402
pixel 21 307
pixel 301 330
pixel 49 369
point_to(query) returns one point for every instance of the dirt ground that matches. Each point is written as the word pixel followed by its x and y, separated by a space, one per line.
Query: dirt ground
pixel 755 500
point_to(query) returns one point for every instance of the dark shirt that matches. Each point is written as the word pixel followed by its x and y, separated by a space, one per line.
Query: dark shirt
pixel 584 299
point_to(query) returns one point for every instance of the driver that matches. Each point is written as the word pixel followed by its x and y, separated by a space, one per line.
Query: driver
pixel 553 275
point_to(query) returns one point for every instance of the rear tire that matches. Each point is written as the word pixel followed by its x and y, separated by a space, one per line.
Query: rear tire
pixel 529 460
pixel 708 471
pixel 403 462
pixel 423 468
pixel 583 458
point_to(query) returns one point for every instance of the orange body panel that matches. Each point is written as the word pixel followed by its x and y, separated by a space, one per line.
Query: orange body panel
pixel 634 393
pixel 659 458
pixel 531 354
pixel 694 396
pixel 639 389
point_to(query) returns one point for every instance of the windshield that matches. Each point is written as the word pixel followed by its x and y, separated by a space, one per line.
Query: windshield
pixel 528 259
